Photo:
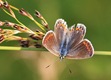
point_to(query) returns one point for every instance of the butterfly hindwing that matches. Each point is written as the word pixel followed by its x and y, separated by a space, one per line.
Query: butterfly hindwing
pixel 81 51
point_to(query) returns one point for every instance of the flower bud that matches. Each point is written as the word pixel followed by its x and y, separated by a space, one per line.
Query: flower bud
pixel 35 37
pixel 1 23
pixel 9 23
pixel 6 5
pixel 1 38
pixel 37 45
pixel 24 43
pixel 1 30
pixel 37 13
pixel 23 12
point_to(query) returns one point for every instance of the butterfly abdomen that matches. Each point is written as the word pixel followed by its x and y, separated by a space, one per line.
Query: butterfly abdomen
pixel 63 48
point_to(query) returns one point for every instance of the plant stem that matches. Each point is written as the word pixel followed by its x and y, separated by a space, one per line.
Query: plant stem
pixel 18 21
pixel 103 52
pixel 14 8
pixel 37 23
pixel 7 12
pixel 20 48
pixel 43 49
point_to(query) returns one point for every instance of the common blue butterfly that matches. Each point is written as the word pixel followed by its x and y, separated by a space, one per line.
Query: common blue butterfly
pixel 67 42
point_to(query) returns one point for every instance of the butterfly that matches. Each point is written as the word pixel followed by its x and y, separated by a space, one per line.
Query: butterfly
pixel 67 42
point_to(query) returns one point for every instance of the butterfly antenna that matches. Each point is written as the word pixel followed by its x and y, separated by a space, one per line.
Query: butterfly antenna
pixel 68 67
pixel 52 63
pixel 47 66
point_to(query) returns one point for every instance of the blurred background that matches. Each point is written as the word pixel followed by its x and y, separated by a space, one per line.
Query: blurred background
pixel 30 65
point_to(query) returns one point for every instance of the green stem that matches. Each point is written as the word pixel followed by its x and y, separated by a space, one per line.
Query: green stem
pixel 24 25
pixel 13 17
pixel 37 23
pixel 14 8
pixel 18 21
pixel 20 48
pixel 7 12
pixel 43 49
pixel 103 52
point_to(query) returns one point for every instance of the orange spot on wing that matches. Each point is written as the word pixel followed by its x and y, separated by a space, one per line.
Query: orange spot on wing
pixel 62 26
pixel 87 46
pixel 78 29
pixel 48 38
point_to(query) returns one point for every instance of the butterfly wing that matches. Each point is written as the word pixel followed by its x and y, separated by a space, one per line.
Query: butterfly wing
pixel 81 51
pixel 75 35
pixel 50 43
pixel 60 30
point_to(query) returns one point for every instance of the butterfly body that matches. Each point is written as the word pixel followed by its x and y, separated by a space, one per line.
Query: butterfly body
pixel 69 43
pixel 63 49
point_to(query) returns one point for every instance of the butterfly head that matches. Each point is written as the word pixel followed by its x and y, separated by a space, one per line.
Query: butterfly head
pixel 62 57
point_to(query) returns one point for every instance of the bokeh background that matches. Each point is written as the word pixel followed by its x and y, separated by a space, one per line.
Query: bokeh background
pixel 30 65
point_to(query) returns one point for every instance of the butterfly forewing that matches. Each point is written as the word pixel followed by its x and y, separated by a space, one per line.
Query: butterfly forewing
pixel 75 35
pixel 81 51
pixel 50 43
pixel 60 30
